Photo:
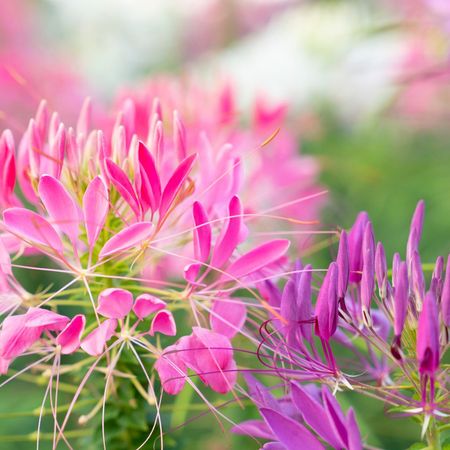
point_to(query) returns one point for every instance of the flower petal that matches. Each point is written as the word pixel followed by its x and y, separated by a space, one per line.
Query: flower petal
pixel 147 304
pixel 94 343
pixel 60 206
pixel 32 227
pixel 123 185
pixel 115 303
pixel 202 233
pixel 95 209
pixel 228 318
pixel 69 338
pixel 175 184
pixel 129 237
pixel 230 238
pixel 163 323
pixel 290 433
pixel 171 370
pixel 256 259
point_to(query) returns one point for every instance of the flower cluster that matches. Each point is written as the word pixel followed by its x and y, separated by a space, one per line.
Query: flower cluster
pixel 395 325
pixel 142 225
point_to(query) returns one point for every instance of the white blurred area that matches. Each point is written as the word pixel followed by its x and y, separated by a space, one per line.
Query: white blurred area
pixel 304 52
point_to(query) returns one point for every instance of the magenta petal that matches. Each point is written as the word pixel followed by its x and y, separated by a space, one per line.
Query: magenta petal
pixel 123 185
pixel 32 227
pixel 191 272
pixel 94 343
pixel 291 434
pixel 132 236
pixel 60 206
pixel 427 342
pixel 69 338
pixel 115 303
pixel 163 323
pixel 175 183
pixel 227 317
pixel 171 370
pixel 230 237
pixel 95 209
pixel 15 338
pixel 202 233
pixel 256 259
pixel 38 317
pixel 151 184
pixel 147 304
pixel 7 168
pixel 210 355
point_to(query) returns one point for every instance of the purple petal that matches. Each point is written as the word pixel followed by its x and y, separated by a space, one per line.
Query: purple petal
pixel 445 297
pixel 342 261
pixel 290 433
pixel 315 415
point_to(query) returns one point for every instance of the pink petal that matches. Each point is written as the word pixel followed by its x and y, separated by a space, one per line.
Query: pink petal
pixel 228 318
pixel 151 184
pixel 5 260
pixel 94 343
pixel 210 355
pixel 171 370
pixel 230 238
pixel 69 338
pixel 52 161
pixel 32 227
pixel 175 184
pixel 256 259
pixel 60 206
pixel 84 119
pixel 7 166
pixel 123 185
pixel 95 209
pixel 163 323
pixel 202 233
pixel 115 303
pixel 191 272
pixel 15 338
pixel 147 304
pixel 49 320
pixel 132 236
pixel 179 136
